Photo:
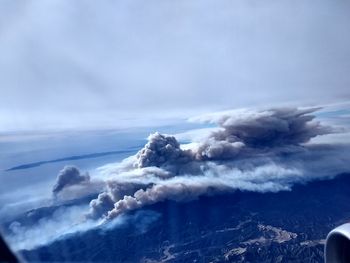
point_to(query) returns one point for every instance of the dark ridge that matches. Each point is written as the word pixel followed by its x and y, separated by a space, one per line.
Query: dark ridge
pixel 75 157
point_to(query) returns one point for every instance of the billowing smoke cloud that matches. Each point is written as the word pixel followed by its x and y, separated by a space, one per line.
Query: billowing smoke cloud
pixel 252 132
pixel 264 151
pixel 115 191
pixel 218 178
pixel 101 205
pixel 242 133
pixel 162 150
pixel 68 176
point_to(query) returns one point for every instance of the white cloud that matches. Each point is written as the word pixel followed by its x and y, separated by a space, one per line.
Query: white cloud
pixel 81 64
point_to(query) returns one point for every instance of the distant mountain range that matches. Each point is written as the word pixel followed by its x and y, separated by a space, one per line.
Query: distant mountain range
pixel 72 158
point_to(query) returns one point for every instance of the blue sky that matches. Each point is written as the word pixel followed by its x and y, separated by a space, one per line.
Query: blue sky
pixel 82 65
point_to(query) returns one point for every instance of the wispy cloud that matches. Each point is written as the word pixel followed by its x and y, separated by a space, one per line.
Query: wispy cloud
pixel 126 68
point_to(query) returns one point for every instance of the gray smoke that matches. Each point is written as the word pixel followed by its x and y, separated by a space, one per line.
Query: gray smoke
pixel 264 151
pixel 157 193
pixel 213 149
pixel 250 133
pixel 272 128
pixel 101 205
pixel 241 135
pixel 214 179
pixel 162 150
pixel 68 176
pixel 116 190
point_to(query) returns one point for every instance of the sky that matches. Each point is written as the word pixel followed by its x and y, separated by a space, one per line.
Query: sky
pixel 82 65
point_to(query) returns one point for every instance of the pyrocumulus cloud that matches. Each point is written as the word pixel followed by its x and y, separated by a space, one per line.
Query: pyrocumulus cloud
pixel 262 151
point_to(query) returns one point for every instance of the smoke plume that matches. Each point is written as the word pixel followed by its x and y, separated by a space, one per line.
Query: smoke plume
pixel 68 176
pixel 263 151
